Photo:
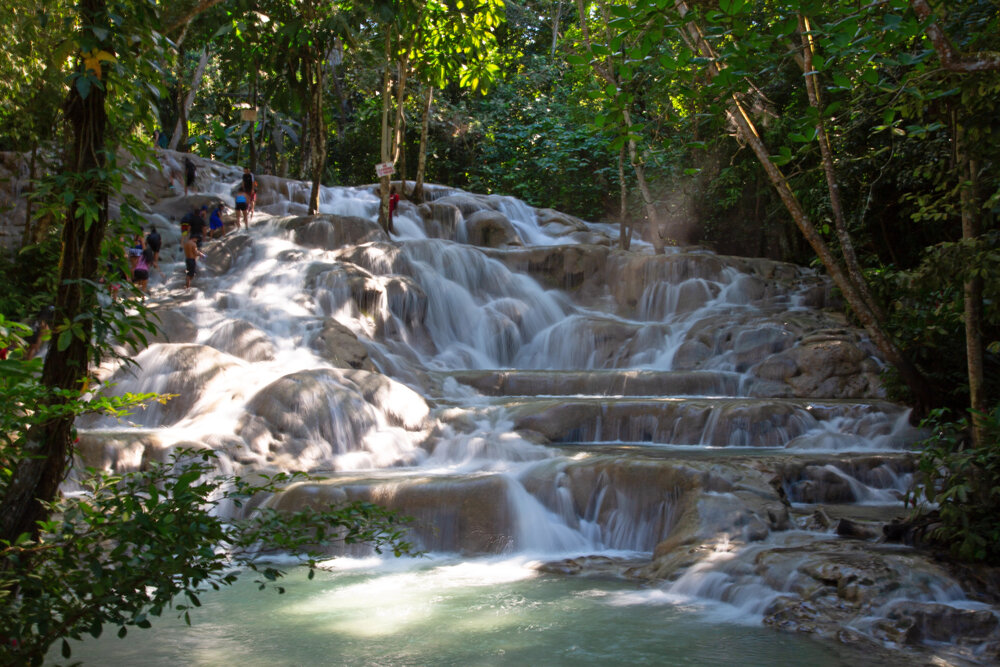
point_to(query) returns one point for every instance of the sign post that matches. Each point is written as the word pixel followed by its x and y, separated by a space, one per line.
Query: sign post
pixel 385 169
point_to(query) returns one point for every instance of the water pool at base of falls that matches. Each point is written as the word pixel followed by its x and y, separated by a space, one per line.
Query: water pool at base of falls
pixel 451 612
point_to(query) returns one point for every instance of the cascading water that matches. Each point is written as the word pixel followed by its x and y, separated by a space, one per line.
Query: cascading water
pixel 548 406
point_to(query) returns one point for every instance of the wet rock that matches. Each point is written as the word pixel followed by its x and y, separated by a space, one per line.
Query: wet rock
pixel 557 223
pixel 175 208
pixel 912 622
pixel 310 418
pixel 591 566
pixel 468 204
pixel 491 229
pixel 457 515
pixel 856 530
pixel 562 267
pixel 172 326
pixel 221 255
pixel 377 258
pixel 186 371
pixel 331 232
pixel 242 339
pixel 441 220
pixel 338 345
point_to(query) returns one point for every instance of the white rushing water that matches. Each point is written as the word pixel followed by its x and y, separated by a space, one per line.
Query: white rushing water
pixel 480 470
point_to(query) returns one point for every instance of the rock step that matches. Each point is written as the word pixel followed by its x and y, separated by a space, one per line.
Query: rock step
pixel 604 382
pixel 718 422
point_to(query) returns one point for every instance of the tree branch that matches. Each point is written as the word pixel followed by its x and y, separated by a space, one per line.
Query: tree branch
pixel 951 59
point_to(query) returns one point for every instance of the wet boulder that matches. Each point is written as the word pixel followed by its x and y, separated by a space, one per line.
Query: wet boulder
pixel 466 203
pixel 826 364
pixel 441 220
pixel 338 345
pixel 184 371
pixel 242 339
pixel 311 418
pixel 491 229
pixel 221 255
pixel 334 231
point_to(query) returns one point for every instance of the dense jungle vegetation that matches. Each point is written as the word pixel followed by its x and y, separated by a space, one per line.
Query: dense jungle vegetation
pixel 862 137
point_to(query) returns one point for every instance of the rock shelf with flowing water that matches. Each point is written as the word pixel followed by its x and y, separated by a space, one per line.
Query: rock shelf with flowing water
pixel 712 426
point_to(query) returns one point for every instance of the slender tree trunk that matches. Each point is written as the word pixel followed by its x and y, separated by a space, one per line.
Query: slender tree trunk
pixel 851 264
pixel 418 187
pixel 652 217
pixel 306 158
pixel 39 473
pixel 32 175
pixel 317 132
pixel 607 73
pixel 253 126
pixel 555 29
pixel 386 145
pixel 874 325
pixel 185 107
pixel 972 292
pixel 625 228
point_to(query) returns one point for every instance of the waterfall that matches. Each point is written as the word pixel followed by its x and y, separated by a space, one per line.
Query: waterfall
pixel 690 410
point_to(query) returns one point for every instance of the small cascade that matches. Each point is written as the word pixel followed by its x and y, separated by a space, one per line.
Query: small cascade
pixel 520 387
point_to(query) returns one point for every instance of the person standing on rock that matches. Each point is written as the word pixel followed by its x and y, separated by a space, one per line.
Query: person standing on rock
pixel 191 255
pixel 189 174
pixel 242 206
pixel 140 274
pixel 196 227
pixel 250 188
pixel 393 203
pixel 154 243
pixel 135 251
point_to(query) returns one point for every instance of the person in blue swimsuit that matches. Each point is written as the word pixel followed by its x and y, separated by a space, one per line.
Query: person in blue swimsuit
pixel 215 225
pixel 242 206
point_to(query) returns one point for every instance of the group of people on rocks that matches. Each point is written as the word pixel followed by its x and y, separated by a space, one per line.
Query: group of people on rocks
pixel 194 222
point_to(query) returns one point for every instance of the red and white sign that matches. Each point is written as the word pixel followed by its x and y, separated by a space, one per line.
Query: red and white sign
pixel 385 169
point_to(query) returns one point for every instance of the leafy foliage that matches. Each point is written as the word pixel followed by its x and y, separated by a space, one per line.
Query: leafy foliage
pixel 964 483
pixel 130 547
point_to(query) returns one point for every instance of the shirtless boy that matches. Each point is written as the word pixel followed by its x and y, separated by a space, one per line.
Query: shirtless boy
pixel 191 255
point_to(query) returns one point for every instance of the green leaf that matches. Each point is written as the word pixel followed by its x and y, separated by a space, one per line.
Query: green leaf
pixel 65 338
pixel 83 85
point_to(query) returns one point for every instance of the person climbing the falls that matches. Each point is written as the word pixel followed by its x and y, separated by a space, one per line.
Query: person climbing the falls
pixel 242 205
pixel 135 251
pixel 154 242
pixel 215 225
pixel 197 223
pixel 189 174
pixel 250 188
pixel 191 255
pixel 140 274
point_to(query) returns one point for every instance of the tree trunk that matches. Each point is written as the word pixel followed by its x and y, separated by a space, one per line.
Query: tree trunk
pixel 253 126
pixel 32 174
pixel 39 473
pixel 385 144
pixel 555 29
pixel 418 187
pixel 851 263
pixel 608 74
pixel 185 108
pixel 874 325
pixel 972 293
pixel 625 228
pixel 652 217
pixel 317 132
